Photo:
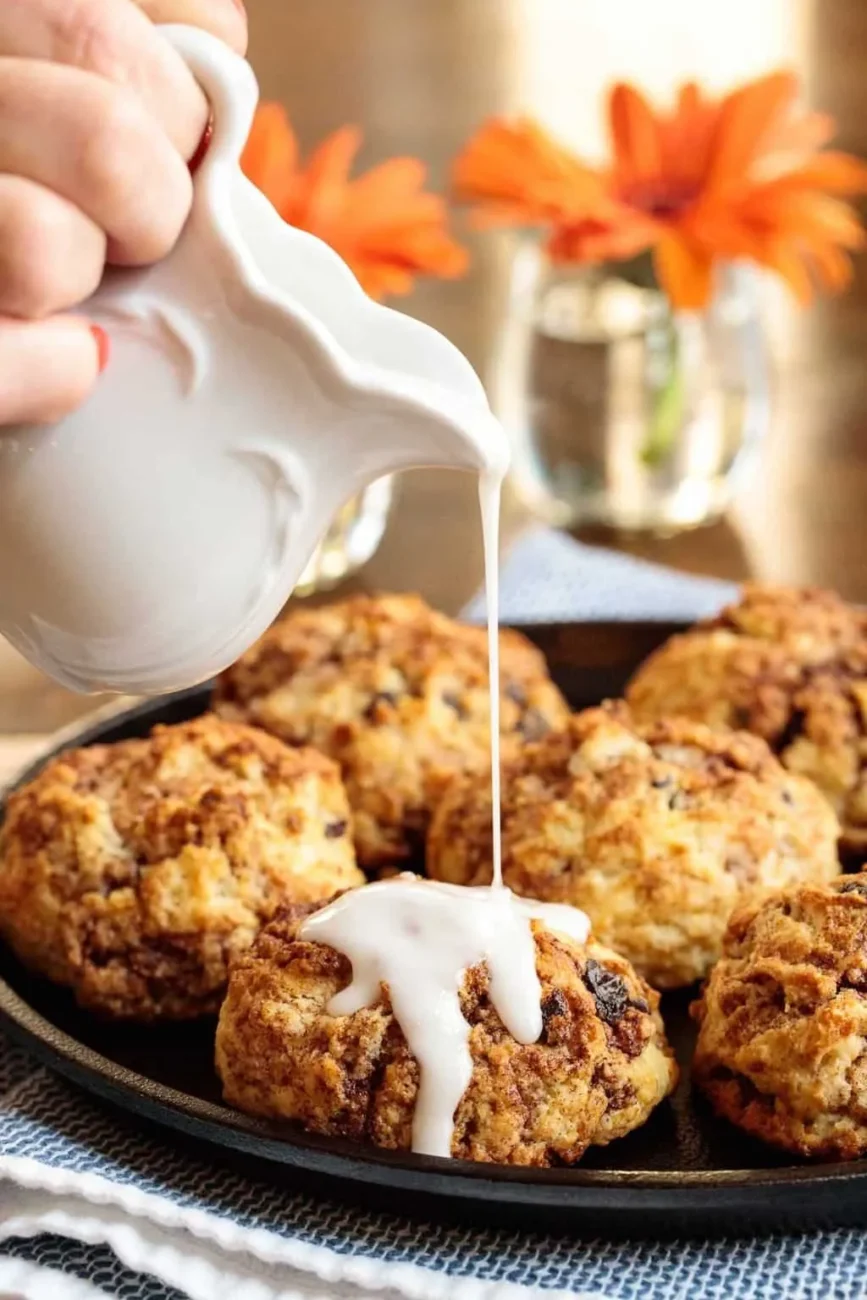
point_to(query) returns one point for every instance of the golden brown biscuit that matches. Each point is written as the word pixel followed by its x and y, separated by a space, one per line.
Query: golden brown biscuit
pixel 398 695
pixel 655 832
pixel 599 1069
pixel 789 664
pixel 782 1042
pixel 134 872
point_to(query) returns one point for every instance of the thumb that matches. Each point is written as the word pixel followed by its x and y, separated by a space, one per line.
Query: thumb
pixel 47 367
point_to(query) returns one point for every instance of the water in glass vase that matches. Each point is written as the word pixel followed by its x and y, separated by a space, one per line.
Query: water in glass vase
pixel 623 413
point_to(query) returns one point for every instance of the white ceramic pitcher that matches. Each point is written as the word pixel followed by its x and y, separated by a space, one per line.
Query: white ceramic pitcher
pixel 252 388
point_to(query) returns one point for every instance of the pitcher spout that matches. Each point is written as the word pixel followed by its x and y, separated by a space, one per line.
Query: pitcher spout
pixel 427 431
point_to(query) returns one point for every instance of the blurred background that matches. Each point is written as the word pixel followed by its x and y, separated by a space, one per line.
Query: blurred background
pixel 418 76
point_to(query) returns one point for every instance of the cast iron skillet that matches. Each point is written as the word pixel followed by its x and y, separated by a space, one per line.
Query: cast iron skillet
pixel 683 1171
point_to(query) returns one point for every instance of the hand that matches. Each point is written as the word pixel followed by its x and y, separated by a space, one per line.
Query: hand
pixel 98 119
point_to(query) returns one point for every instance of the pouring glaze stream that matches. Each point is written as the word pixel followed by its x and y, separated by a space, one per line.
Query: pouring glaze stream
pixel 417 938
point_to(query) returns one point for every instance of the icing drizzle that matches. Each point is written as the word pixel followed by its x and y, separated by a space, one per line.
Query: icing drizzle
pixel 418 938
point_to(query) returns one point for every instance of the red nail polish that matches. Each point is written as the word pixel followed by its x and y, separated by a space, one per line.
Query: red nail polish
pixel 103 346
pixel 201 148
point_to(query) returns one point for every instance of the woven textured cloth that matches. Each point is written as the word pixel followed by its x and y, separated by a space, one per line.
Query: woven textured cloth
pixel 91 1206
pixel 549 578
pixel 134 1205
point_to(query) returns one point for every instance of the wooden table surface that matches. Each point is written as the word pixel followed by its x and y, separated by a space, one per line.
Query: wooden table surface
pixel 418 75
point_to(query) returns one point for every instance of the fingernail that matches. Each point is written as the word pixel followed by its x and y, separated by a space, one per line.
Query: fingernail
pixel 201 148
pixel 103 346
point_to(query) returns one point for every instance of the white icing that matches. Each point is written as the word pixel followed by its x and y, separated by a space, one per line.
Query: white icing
pixel 417 938
pixel 490 491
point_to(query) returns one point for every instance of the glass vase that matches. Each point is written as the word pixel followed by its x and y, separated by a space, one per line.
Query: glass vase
pixel 351 540
pixel 622 412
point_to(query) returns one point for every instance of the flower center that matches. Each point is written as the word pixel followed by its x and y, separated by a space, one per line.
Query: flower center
pixel 660 197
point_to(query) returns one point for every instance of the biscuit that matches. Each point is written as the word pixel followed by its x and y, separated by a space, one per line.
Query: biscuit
pixel 782 1042
pixel 600 1067
pixel 134 872
pixel 654 831
pixel 788 664
pixel 397 694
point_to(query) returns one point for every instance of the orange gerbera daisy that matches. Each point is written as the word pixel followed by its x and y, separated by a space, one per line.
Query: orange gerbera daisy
pixel 383 223
pixel 709 180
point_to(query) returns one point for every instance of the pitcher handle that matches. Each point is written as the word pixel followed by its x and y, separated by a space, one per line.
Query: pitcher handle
pixel 229 84
pixel 319 284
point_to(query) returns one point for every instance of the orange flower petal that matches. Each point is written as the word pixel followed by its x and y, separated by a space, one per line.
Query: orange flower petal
pixel 383 279
pixel 390 269
pixel 689 100
pixel 518 168
pixel 431 249
pixel 495 215
pixel 635 135
pixel 838 173
pixel 728 232
pixel 613 239
pixel 788 263
pixel 684 271
pixel 390 184
pixel 802 135
pixel 806 216
pixel 383 224
pixel 688 130
pixel 687 143
pixel 404 240
pixel 831 267
pixel 791 141
pixel 270 156
pixel 747 118
pixel 367 215
pixel 326 177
